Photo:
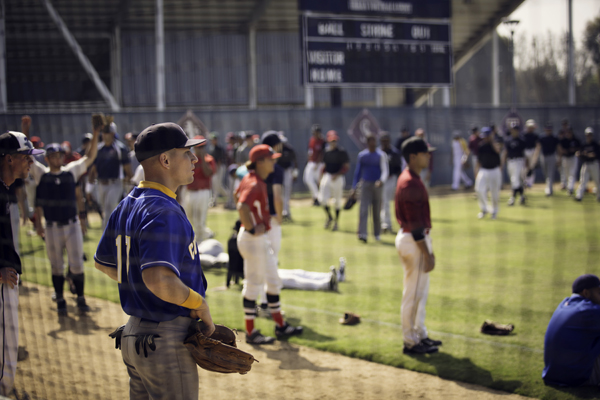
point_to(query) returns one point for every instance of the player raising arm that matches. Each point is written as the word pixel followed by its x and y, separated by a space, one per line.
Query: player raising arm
pixel 149 247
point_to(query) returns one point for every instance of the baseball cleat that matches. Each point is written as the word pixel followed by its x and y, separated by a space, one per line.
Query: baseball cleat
pixel 335 227
pixel 511 201
pixel 333 280
pixel 82 305
pixel 431 342
pixel 287 330
pixel 494 216
pixel 362 239
pixel 481 215
pixel 523 200
pixel 316 203
pixel 420 348
pixel 378 238
pixel 577 198
pixel 328 223
pixel 61 307
pixel 258 338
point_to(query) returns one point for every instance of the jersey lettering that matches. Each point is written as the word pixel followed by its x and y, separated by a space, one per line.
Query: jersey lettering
pixel 193 249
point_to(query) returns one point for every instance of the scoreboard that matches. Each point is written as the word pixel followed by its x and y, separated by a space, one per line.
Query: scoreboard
pixel 386 45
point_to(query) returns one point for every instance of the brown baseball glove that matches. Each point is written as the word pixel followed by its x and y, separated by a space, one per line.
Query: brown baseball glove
pixel 494 328
pixel 219 352
pixel 98 121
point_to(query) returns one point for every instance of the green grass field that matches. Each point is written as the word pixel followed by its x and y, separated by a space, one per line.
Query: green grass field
pixel 512 270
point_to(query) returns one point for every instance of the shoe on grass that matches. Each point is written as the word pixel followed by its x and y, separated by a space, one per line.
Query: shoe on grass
pixel 258 338
pixel 287 330
pixel 420 348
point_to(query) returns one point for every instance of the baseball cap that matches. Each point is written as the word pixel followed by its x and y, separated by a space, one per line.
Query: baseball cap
pixel 37 142
pixel 415 145
pixel 214 135
pixel 587 281
pixel 87 137
pixel 515 125
pixel 16 142
pixel 485 132
pixel 112 128
pixel 54 148
pixel 549 125
pixel 159 138
pixel 315 128
pixel 589 130
pixel 332 136
pixel 270 138
pixel 530 123
pixel 261 151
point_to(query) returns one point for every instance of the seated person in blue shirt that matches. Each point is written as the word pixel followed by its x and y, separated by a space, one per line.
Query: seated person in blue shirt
pixel 572 342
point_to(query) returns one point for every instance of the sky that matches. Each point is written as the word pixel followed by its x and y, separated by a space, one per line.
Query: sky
pixel 540 16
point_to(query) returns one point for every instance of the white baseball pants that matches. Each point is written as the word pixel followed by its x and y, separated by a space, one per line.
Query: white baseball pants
pixel 217 184
pixel 589 170
pixel 109 196
pixel 60 237
pixel 389 191
pixel 330 188
pixel 311 177
pixel 458 174
pixel 258 266
pixel 288 183
pixel 515 168
pixel 568 170
pixel 488 180
pixel 196 203
pixel 530 180
pixel 304 280
pixel 416 288
pixel 9 332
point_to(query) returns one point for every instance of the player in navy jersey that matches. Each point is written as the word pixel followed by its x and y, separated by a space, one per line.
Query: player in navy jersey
pixel 150 249
pixel 56 202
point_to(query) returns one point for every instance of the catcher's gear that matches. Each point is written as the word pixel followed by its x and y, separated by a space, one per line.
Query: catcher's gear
pixel 494 328
pixel 219 352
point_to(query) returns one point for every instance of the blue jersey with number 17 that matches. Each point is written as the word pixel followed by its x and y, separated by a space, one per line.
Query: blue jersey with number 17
pixel 149 229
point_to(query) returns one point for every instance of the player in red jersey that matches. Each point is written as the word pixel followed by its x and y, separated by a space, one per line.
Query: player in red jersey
pixel 254 246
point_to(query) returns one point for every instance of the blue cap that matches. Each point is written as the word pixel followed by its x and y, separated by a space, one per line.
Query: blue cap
pixel 587 281
pixel 485 132
pixel 54 148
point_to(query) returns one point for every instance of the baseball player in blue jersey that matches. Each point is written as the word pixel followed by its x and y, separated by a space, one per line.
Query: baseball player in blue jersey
pixel 56 201
pixel 150 249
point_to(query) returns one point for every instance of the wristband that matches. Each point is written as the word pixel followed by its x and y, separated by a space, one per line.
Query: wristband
pixel 193 301
pixel 251 231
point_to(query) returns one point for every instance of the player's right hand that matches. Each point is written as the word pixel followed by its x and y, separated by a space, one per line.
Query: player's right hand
pixel 203 313
pixel 41 232
pixel 9 276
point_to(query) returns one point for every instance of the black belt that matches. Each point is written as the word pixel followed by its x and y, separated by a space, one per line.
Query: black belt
pixel 62 223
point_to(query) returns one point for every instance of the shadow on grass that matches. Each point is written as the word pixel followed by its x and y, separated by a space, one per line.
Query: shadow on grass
pixel 514 221
pixel 583 392
pixel 463 370
pixel 290 358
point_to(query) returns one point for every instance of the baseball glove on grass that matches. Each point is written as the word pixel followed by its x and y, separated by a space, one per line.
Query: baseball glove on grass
pixel 219 352
pixel 494 328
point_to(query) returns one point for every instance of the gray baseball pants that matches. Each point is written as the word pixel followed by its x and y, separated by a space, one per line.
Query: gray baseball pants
pixel 67 236
pixel 109 196
pixel 169 372
pixel 549 168
pixel 370 196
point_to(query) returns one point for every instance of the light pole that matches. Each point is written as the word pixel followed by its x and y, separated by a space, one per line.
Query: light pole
pixel 512 24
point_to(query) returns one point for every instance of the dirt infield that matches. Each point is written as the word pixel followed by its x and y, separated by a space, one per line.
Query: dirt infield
pixel 73 358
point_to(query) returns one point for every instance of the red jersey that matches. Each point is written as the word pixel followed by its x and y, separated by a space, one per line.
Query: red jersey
pixel 201 181
pixel 412 202
pixel 315 148
pixel 253 192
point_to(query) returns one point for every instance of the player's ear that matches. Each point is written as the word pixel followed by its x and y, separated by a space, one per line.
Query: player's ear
pixel 164 160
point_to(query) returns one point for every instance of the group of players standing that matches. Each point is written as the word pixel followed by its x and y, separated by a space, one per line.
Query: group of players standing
pixel 521 152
